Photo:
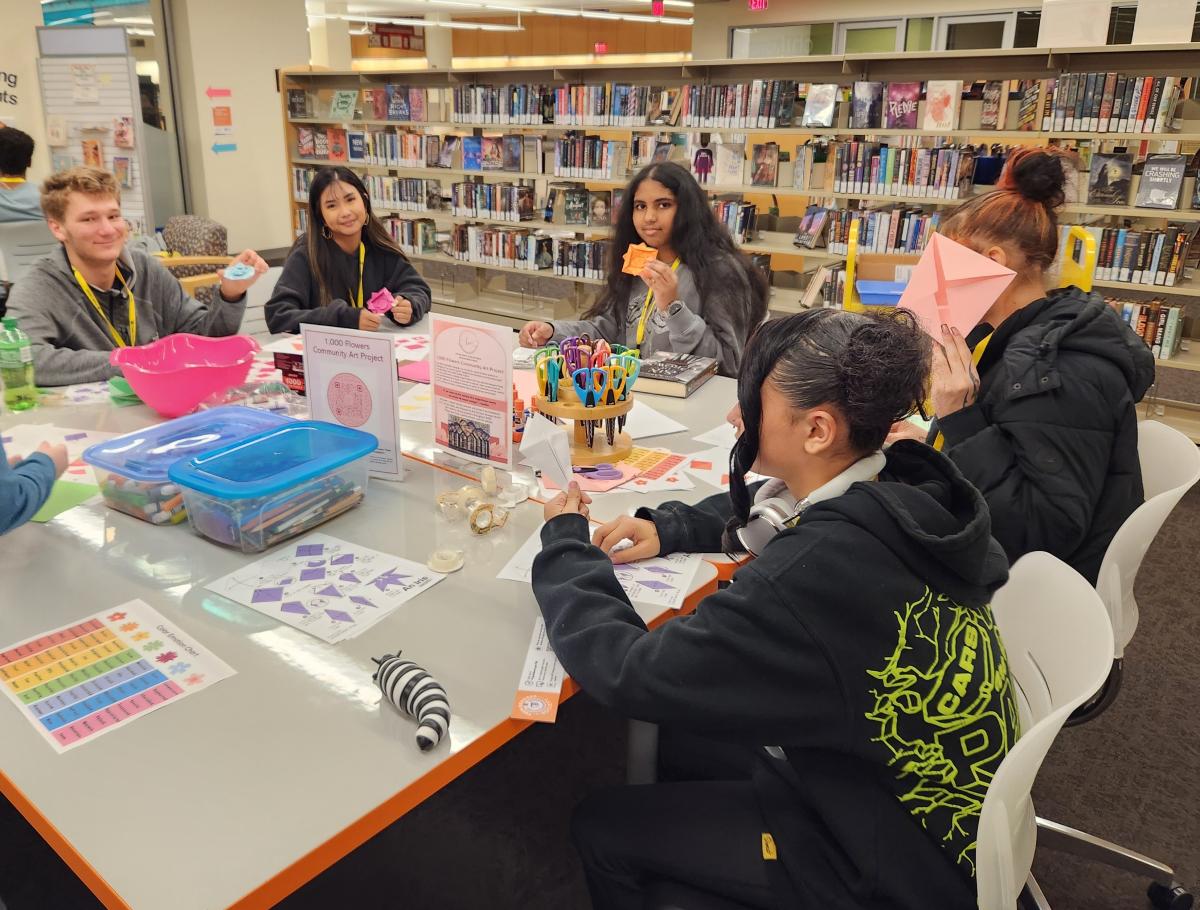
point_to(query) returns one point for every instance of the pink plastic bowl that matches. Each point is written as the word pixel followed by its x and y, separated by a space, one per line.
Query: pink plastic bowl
pixel 176 373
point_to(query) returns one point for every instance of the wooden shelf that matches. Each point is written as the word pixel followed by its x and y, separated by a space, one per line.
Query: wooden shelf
pixel 1177 414
pixel 1187 289
pixel 1131 212
pixel 1183 360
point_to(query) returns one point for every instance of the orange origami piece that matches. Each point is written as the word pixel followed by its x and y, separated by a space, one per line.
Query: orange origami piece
pixel 636 257
pixel 953 285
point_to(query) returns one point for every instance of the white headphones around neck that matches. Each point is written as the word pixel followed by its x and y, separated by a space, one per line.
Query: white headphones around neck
pixel 771 515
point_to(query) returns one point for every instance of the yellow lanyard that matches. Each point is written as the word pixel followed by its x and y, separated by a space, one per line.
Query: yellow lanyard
pixel 112 330
pixel 976 356
pixel 362 255
pixel 12 180
pixel 648 306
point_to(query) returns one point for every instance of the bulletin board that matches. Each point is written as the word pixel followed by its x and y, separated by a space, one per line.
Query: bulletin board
pixel 92 108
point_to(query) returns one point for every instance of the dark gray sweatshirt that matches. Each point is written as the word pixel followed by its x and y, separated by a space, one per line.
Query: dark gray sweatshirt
pixel 71 343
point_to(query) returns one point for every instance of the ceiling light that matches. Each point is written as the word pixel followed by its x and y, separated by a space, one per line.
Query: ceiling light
pixel 422 23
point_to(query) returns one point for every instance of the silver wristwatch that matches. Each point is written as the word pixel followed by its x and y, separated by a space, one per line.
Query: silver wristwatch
pixel 660 318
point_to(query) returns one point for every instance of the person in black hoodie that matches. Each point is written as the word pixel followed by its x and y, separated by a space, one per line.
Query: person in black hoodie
pixel 1040 414
pixel 345 257
pixel 856 655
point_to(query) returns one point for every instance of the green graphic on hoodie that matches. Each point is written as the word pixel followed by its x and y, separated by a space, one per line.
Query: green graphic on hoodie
pixel 945 710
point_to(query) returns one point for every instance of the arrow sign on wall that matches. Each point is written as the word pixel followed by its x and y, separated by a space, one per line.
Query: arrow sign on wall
pixel 219 147
pixel 217 92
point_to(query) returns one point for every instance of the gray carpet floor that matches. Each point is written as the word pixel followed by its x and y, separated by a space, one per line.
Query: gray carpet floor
pixel 497 837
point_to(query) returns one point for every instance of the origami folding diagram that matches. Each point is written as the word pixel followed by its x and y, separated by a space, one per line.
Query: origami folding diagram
pixel 953 285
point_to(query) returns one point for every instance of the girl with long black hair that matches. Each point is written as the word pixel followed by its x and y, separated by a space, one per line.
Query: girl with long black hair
pixel 699 296
pixel 345 257
pixel 855 659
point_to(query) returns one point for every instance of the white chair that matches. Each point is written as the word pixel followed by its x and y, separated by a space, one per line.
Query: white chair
pixel 1170 467
pixel 21 244
pixel 1059 645
pixel 254 323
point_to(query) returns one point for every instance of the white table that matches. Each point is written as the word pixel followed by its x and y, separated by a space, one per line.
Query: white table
pixel 237 796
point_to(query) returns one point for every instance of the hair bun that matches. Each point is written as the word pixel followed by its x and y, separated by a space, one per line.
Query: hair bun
pixel 1038 175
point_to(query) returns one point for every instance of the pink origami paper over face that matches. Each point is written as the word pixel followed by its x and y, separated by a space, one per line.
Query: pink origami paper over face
pixel 953 285
pixel 381 301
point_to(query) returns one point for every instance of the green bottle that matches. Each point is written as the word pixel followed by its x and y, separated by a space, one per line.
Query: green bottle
pixel 16 367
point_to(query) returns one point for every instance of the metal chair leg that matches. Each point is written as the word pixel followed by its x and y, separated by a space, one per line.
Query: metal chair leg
pixel 1079 843
pixel 1031 896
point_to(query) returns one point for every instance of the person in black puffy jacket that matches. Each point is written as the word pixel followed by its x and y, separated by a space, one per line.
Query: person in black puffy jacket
pixel 1037 407
pixel 855 659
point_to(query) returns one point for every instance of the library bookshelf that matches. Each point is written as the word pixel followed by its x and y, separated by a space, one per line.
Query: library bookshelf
pixel 510 295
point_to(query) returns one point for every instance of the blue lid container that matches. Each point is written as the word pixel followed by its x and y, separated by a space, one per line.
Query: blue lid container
pixel 879 293
pixel 146 455
pixel 274 460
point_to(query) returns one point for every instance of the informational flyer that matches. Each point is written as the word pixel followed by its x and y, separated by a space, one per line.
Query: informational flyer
pixel 104 672
pixel 472 387
pixel 540 688
pixel 350 378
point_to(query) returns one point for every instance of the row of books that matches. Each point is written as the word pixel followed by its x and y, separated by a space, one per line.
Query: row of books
pixel 871 167
pixel 576 205
pixel 581 258
pixel 600 104
pixel 758 104
pixel 1142 257
pixel 1111 102
pixel 1160 185
pixel 1160 325
pixel 405 194
pixel 738 217
pixel 405 103
pixel 504 201
pixel 899 230
pixel 514 248
pixel 415 236
pixel 400 148
pixel 590 157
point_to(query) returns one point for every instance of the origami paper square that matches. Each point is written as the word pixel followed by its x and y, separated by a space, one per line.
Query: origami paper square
pixel 635 258
pixel 953 285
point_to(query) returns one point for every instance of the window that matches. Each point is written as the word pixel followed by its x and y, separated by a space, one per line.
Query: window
pixel 870 36
pixel 1120 24
pixel 918 34
pixel 1196 25
pixel 1029 23
pixel 783 41
pixel 976 32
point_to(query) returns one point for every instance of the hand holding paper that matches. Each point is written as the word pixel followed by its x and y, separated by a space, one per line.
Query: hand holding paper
pixel 545 448
pixel 381 301
pixel 953 285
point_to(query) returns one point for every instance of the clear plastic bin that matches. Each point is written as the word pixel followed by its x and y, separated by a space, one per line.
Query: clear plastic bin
pixel 279 483
pixel 132 469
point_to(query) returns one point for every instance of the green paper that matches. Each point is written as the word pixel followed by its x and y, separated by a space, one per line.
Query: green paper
pixel 65 495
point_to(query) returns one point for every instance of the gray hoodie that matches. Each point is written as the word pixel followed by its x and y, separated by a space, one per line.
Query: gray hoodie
pixel 71 343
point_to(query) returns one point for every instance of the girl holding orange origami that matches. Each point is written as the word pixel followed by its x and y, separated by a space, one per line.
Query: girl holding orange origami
pixel 676 282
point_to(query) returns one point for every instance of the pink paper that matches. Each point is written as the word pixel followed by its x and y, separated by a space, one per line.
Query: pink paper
pixel 588 485
pixel 417 371
pixel 381 301
pixel 953 285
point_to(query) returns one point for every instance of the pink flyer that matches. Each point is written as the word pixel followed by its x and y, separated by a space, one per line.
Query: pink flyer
pixel 472 389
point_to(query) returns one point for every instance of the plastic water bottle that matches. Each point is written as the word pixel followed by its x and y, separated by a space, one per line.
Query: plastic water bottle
pixel 16 367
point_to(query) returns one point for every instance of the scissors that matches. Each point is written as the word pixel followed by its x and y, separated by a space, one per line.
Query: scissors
pixel 599 385
pixel 550 349
pixel 550 371
pixel 602 471
pixel 577 354
pixel 601 351
pixel 632 366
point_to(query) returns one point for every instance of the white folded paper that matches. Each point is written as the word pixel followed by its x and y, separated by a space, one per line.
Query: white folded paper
pixel 546 448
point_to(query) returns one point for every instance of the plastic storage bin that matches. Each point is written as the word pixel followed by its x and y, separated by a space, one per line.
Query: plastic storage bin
pixel 879 293
pixel 277 484
pixel 132 469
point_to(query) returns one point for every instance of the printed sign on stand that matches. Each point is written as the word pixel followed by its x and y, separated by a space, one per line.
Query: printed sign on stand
pixel 350 379
pixel 472 389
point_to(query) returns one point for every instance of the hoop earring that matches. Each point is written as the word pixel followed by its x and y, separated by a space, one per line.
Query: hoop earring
pixel 326 233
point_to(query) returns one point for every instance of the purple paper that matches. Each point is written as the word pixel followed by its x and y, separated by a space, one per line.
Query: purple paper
pixel 310 549
pixel 312 575
pixel 387 579
pixel 351 577
pixel 657 585
pixel 267 595
pixel 330 591
pixel 71 437
pixel 294 606
pixel 361 600
pixel 344 560
pixel 658 570
pixel 339 615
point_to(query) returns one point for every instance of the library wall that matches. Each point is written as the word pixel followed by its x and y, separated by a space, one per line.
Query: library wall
pixel 241 189
pixel 710 33
pixel 550 35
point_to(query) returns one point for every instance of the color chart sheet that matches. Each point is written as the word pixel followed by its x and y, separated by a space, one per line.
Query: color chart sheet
pixel 104 672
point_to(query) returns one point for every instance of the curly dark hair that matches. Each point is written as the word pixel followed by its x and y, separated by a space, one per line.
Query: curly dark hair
pixel 872 370
pixel 16 152
pixel 697 238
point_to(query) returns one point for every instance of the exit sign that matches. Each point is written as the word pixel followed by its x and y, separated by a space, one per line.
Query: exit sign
pixel 756 5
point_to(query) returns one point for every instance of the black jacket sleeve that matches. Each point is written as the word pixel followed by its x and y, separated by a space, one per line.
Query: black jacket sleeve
pixel 1040 462
pixel 405 282
pixel 684 528
pixel 296 300
pixel 724 670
